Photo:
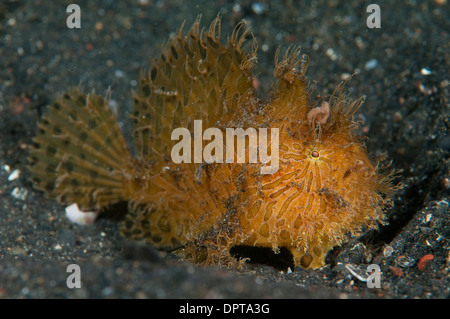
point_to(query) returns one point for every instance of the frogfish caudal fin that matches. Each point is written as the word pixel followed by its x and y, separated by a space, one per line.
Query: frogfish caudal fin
pixel 79 153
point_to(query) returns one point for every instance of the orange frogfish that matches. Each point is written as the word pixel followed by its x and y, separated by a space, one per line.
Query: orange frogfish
pixel 324 190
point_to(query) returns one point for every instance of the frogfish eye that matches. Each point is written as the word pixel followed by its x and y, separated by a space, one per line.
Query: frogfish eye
pixel 315 154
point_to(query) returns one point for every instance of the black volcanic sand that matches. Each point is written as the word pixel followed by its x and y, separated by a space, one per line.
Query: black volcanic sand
pixel 402 71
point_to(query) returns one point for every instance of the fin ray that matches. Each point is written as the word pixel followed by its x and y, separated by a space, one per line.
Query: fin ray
pixel 79 154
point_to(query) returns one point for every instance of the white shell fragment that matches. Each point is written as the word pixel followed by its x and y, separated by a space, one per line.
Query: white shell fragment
pixel 425 71
pixel 14 175
pixel 75 215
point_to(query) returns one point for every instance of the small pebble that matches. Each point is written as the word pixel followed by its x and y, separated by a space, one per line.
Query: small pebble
pixel 396 271
pixel 387 252
pixel 14 175
pixel 345 76
pixel 107 291
pixel 331 54
pixel 236 7
pixel 405 262
pixel 424 261
pixel 11 22
pixel 99 26
pixel 144 3
pixel 258 8
pixel 119 73
pixel 371 64
pixel 19 193
pixel 397 117
pixel 445 183
pixel 425 71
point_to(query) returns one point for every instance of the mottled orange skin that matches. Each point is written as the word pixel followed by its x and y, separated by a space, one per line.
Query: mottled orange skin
pixel 325 189
pixel 312 202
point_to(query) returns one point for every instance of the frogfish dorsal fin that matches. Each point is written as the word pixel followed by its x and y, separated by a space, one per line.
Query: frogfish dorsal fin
pixel 195 78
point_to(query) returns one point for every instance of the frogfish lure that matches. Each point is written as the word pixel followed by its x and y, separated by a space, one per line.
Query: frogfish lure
pixel 325 190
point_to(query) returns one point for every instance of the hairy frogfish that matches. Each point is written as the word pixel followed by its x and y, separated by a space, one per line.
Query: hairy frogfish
pixel 325 190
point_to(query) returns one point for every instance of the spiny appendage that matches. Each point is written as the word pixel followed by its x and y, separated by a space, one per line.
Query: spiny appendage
pixel 79 153
pixel 293 66
pixel 291 105
pixel 341 111
pixel 195 78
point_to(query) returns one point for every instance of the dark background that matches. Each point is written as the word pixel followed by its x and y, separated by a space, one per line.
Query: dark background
pixel 402 72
